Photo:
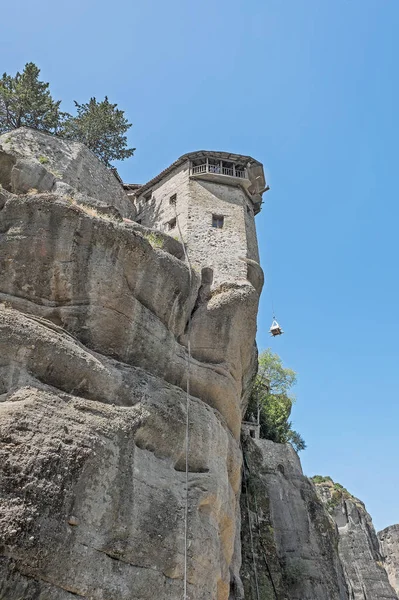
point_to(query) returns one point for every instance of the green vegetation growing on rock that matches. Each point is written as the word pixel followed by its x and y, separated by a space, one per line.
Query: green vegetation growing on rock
pixel 337 491
pixel 101 127
pixel 271 397
pixel 155 240
pixel 26 102
pixel 321 478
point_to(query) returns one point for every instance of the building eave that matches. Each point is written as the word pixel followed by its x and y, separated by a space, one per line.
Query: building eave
pixel 194 156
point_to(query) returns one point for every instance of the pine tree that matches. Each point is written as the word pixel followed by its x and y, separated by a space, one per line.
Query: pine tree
pixel 101 127
pixel 26 102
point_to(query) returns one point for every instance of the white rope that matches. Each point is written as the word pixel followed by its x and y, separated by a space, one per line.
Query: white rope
pixel 187 412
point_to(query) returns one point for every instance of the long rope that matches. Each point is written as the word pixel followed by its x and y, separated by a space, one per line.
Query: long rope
pixel 187 441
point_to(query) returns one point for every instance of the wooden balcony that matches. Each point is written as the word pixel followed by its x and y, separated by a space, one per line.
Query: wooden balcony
pixel 220 172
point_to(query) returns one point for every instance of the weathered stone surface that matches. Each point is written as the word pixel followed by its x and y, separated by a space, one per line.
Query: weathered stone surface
pixel 94 330
pixel 103 282
pixel 289 542
pixel 359 549
pixel 389 541
pixel 30 160
pixel 86 437
pixel 92 496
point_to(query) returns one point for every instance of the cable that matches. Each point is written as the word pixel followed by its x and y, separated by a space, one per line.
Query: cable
pixel 187 410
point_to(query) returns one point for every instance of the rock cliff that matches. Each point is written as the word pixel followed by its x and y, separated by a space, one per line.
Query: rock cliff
pixel 389 540
pixel 289 542
pixel 102 325
pixel 94 328
pixel 308 540
pixel 358 546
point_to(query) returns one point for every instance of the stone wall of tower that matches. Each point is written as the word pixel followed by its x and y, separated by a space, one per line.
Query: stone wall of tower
pixel 218 249
pixel 250 230
pixel 197 201
pixel 158 212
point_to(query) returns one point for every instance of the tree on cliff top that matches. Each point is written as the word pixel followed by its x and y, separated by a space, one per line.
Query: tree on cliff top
pixel 271 395
pixel 101 127
pixel 26 102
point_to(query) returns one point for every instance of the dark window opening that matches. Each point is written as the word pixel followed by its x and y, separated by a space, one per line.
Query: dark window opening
pixel 171 224
pixel 252 433
pixel 217 221
pixel 172 199
pixel 147 197
pixel 138 221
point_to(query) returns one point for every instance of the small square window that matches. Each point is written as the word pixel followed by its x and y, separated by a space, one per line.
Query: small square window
pixel 172 199
pixel 217 221
pixel 171 224
pixel 147 197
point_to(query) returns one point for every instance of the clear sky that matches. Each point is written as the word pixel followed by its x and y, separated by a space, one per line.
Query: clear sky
pixel 310 88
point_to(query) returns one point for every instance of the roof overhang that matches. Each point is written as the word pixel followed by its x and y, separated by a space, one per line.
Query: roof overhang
pixel 253 166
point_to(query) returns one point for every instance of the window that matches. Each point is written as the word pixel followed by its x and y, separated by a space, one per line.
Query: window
pixel 172 199
pixel 147 197
pixel 171 224
pixel 217 221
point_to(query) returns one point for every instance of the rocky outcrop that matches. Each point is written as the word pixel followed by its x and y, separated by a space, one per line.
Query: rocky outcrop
pixel 94 330
pixel 358 547
pixel 289 543
pixel 102 325
pixel 389 540
pixel 31 161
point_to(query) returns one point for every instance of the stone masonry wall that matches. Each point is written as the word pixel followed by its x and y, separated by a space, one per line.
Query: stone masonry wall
pixel 158 211
pixel 252 240
pixel 197 200
pixel 219 249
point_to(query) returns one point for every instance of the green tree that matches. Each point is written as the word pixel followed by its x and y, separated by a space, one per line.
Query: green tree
pixel 272 400
pixel 101 127
pixel 26 102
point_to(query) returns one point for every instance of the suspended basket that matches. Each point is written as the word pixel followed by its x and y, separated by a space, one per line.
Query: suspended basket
pixel 275 329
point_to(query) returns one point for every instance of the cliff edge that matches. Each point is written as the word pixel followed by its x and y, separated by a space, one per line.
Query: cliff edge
pixel 94 329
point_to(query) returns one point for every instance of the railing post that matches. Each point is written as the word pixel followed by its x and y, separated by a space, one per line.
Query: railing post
pixel 207 164
pixel 234 170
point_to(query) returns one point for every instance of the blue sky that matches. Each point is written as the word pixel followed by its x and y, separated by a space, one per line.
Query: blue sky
pixel 310 88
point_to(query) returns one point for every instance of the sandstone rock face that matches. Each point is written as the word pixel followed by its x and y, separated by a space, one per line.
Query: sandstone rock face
pixel 30 160
pixel 359 549
pixel 94 326
pixel 289 541
pixel 389 540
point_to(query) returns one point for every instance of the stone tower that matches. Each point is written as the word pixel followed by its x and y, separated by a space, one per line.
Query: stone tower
pixel 212 199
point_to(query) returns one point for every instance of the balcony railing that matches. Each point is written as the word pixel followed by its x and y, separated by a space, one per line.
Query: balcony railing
pixel 218 170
